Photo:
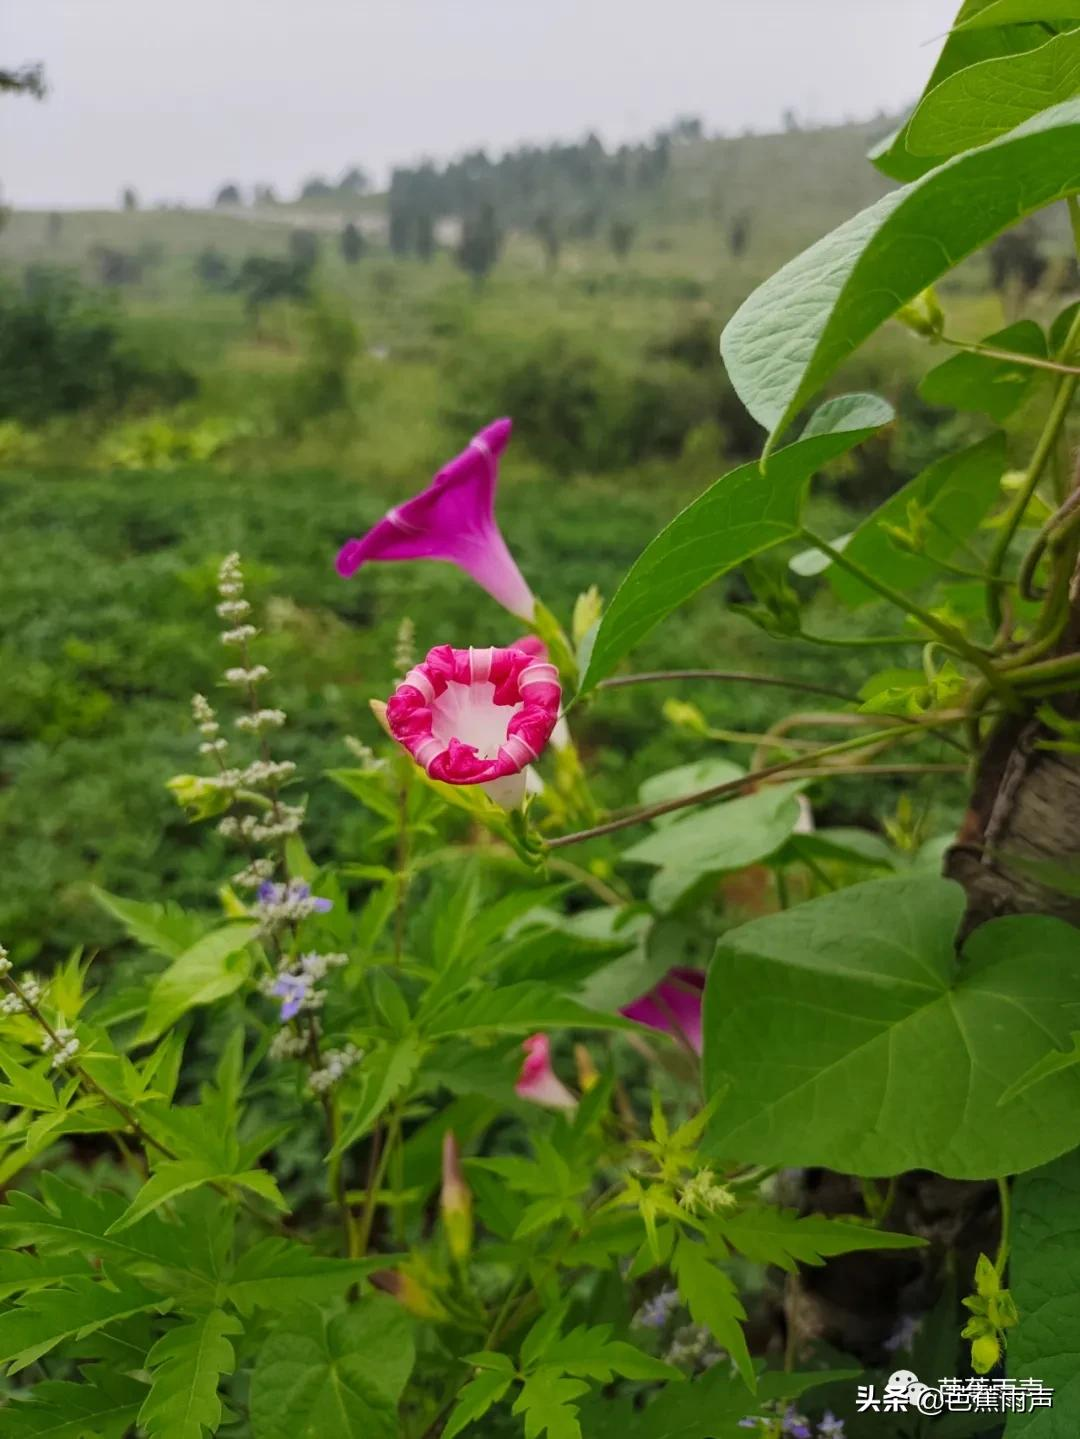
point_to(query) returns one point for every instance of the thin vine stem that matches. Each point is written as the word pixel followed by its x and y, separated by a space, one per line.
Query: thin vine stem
pixel 732 676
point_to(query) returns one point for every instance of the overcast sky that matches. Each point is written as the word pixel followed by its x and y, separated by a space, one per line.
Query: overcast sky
pixel 174 98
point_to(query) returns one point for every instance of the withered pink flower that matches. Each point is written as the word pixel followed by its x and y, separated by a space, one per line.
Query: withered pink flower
pixel 453 520
pixel 673 1005
pixel 477 716
pixel 537 1081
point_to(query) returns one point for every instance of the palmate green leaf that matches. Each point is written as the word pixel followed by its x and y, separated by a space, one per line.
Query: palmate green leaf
pixel 518 1009
pixel 1044 1277
pixel 474 1401
pixel 103 1404
pixel 1008 12
pixel 729 835
pixel 164 928
pixel 964 46
pixel 591 1353
pixel 322 1374
pixel 746 512
pixel 794 331
pixel 45 1319
pixel 214 966
pixel 977 104
pixel 707 1408
pixel 950 497
pixel 21 1273
pixel 860 1043
pixel 766 1235
pixel 546 1401
pixel 187 1364
pixel 279 1273
pixel 710 1295
pixel 971 381
pixel 72 1220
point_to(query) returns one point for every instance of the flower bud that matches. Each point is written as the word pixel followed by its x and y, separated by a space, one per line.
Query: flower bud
pixel 985 1353
pixel 457 1212
pixel 923 315
pixel 587 1072
pixel 409 1293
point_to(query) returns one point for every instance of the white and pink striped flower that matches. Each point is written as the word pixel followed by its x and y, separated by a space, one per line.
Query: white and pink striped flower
pixel 538 1081
pixel 477 716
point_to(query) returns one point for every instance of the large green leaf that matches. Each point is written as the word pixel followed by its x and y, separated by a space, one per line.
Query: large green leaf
pixel 187 1365
pixel 792 333
pixel 342 1375
pixel 947 502
pixel 72 1220
pixel 963 47
pixel 980 103
pixel 213 967
pixel 970 381
pixel 747 511
pixel 713 1300
pixel 1008 12
pixel 1044 1277
pixel 845 1033
pixel 766 1235
pixel 279 1273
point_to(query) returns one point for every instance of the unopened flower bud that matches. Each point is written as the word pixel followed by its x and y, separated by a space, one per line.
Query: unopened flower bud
pixel 409 1293
pixel 587 1072
pixel 457 1212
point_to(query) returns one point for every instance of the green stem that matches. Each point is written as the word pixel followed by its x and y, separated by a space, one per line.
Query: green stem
pixel 859 641
pixel 1005 1199
pixel 948 634
pixel 729 676
pixel 748 781
pixel 1044 450
pixel 381 1152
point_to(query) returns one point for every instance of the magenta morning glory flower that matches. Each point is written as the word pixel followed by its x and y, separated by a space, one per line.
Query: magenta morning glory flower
pixel 453 520
pixel 674 1005
pixel 477 716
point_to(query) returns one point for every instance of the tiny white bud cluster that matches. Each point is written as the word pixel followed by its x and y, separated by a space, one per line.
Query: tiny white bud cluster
pixel 233 610
pixel 405 646
pixel 238 636
pixel 288 903
pixel 63 1048
pixel 237 675
pixel 285 819
pixel 230 577
pixel 267 771
pixel 314 965
pixel 5 963
pixel 364 753
pixel 287 1044
pixel 204 716
pixel 254 874
pixel 214 746
pixel 694 1344
pixel 335 1064
pixel 17 1003
pixel 256 722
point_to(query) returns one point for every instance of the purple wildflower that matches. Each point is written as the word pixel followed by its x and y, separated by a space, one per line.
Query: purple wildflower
pixel 902 1339
pixel 829 1427
pixel 656 1312
pixel 796 1425
pixel 292 990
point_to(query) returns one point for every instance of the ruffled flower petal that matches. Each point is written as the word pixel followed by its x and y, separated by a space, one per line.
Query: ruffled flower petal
pixel 476 716
pixel 453 520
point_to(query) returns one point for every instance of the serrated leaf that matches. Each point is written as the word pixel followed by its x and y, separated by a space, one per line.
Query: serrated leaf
pixel 279 1273
pixel 953 495
pixel 474 1401
pixel 386 1073
pixel 21 1273
pixel 177 1176
pixel 104 1404
pixel 591 1353
pixel 45 1319
pixel 743 514
pixel 983 101
pixel 188 1363
pixel 215 965
pixel 840 997
pixel 322 1374
pixel 710 1295
pixel 70 1219
pixel 766 1235
pixel 792 333
pixel 546 1401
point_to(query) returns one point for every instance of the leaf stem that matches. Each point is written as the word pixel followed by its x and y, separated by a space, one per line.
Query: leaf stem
pixel 732 676
pixel 1044 449
pixel 1005 1199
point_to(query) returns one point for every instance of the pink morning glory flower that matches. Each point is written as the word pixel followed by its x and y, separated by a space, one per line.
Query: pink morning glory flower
pixel 537 1081
pixel 453 520
pixel 674 1006
pixel 477 716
